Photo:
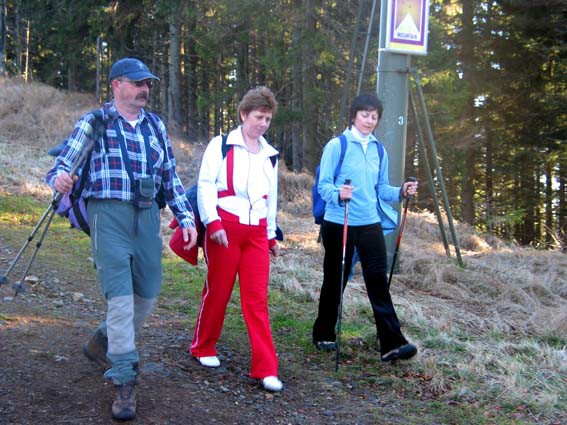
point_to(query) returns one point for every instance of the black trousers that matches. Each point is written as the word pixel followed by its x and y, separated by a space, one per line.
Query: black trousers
pixel 369 242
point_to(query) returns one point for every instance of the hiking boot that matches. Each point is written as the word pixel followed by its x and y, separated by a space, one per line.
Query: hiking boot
pixel 124 405
pixel 326 345
pixel 95 350
pixel 403 352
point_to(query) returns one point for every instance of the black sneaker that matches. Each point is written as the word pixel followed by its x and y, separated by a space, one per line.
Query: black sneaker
pixel 124 405
pixel 326 345
pixel 95 350
pixel 404 352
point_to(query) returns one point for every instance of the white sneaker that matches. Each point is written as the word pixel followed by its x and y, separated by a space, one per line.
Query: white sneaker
pixel 272 383
pixel 210 361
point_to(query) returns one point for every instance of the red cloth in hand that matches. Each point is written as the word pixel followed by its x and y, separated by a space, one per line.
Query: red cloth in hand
pixel 177 244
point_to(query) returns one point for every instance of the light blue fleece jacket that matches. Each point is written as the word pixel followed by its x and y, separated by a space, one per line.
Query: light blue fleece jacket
pixel 362 168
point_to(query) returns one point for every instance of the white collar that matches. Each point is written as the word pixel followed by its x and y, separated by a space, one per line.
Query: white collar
pixel 358 135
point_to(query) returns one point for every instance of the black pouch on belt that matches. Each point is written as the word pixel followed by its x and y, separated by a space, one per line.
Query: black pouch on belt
pixel 144 192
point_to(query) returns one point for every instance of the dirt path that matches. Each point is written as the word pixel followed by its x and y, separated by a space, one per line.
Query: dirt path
pixel 45 379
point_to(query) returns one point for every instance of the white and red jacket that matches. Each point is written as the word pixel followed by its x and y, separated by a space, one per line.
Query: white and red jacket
pixel 244 186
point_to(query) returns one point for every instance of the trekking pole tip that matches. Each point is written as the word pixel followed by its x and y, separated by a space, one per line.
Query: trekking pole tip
pixel 4 279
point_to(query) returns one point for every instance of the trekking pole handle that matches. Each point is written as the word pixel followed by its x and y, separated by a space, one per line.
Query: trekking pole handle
pixel 410 179
pixel 347 183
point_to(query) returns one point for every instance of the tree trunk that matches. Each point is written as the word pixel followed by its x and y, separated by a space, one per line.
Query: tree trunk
pixel 468 179
pixel 155 98
pixel 3 38
pixel 204 108
pixel 296 84
pixel 217 93
pixel 191 73
pixel 548 203
pixel 489 184
pixel 98 69
pixel 19 42
pixel 27 68
pixel 72 76
pixel 174 110
pixel 163 91
pixel 311 152
pixel 242 62
pixel 562 198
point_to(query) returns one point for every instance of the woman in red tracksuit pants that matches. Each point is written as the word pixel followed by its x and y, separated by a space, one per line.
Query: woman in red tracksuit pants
pixel 237 197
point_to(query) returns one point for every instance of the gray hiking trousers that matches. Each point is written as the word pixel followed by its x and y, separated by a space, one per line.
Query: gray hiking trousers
pixel 126 245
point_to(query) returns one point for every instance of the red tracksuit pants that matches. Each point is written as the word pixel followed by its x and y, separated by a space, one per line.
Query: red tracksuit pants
pixel 248 255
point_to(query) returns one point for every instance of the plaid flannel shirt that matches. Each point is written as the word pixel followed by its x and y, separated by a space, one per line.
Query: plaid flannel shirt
pixel 108 178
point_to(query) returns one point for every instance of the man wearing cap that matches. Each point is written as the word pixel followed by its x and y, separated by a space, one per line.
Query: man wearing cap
pixel 126 170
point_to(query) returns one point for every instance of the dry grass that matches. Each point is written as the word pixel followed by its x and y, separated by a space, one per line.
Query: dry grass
pixel 512 289
pixel 33 118
pixel 482 325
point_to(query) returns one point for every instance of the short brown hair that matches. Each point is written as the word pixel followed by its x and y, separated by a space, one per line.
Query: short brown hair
pixel 365 102
pixel 260 98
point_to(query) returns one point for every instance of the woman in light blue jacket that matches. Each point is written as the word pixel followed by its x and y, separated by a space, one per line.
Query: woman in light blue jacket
pixel 365 164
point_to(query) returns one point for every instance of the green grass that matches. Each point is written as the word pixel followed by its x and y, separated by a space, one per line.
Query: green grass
pixel 20 209
pixel 5 318
pixel 553 341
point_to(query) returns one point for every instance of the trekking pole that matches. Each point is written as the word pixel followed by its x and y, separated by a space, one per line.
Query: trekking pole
pixel 402 225
pixel 48 214
pixel 4 277
pixel 340 321
pixel 19 285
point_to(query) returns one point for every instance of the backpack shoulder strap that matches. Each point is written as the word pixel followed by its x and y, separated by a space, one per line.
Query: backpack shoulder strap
pixel 152 119
pixel 274 159
pixel 344 143
pixel 380 148
pixel 225 149
pixel 224 146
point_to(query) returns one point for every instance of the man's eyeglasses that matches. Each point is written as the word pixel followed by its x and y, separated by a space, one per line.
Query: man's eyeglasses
pixel 140 83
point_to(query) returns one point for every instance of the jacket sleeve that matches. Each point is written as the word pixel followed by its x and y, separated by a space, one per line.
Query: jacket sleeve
pixel 386 192
pixel 207 192
pixel 273 203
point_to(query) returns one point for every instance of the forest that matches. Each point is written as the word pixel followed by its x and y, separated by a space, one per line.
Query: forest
pixel 494 79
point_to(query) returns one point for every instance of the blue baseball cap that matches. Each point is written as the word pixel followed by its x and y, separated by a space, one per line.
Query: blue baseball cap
pixel 133 69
